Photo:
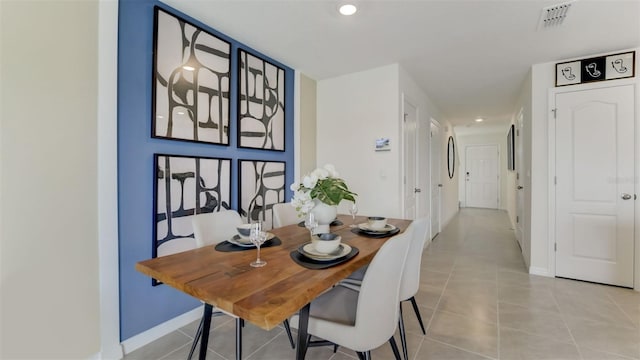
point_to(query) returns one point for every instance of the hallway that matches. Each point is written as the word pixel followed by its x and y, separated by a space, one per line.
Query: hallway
pixel 477 301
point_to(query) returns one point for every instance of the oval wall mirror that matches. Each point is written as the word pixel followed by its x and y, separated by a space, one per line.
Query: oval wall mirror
pixel 451 157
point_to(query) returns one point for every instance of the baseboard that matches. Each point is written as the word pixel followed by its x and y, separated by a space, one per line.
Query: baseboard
pixel 534 270
pixel 156 332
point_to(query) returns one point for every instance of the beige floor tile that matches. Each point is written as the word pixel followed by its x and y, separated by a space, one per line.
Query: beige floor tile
pixel 476 305
pixel 523 279
pixel 605 337
pixel 411 323
pixel 590 354
pixel 223 339
pixel 161 347
pixel 465 333
pixel 433 278
pixel 581 305
pixel 428 296
pixel 541 299
pixel 520 345
pixel 434 350
pixel 183 353
pixel 534 321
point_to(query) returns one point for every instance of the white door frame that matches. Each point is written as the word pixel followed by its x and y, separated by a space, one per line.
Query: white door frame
pixel 551 101
pixel 417 158
pixel 435 123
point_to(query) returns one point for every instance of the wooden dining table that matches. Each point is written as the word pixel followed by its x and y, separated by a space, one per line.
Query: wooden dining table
pixel 268 295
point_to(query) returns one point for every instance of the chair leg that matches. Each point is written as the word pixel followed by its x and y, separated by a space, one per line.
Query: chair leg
pixel 367 355
pixel 196 338
pixel 403 335
pixel 239 324
pixel 417 311
pixel 361 356
pixel 394 347
pixel 288 329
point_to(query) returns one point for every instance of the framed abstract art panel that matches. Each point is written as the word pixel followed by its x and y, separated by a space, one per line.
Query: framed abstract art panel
pixel 261 185
pixel 186 186
pixel 261 103
pixel 191 76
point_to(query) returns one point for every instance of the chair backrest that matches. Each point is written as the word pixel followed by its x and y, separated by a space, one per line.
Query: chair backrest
pixel 215 227
pixel 284 214
pixel 411 275
pixel 377 311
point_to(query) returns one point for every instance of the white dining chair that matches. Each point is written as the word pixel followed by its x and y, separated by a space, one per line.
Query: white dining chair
pixel 210 229
pixel 284 214
pixel 410 277
pixel 363 320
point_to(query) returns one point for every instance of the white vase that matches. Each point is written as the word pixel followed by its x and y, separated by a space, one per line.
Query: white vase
pixel 324 215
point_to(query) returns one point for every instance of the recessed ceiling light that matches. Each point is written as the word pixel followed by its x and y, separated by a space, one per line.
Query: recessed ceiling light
pixel 188 68
pixel 180 112
pixel 479 120
pixel 347 9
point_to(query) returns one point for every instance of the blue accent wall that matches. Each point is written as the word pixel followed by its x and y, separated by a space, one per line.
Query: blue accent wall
pixel 143 306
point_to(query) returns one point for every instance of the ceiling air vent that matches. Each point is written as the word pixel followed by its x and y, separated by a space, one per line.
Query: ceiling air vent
pixel 554 15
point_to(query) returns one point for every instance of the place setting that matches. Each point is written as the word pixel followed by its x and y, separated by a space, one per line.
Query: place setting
pixel 375 227
pixel 324 250
pixel 248 237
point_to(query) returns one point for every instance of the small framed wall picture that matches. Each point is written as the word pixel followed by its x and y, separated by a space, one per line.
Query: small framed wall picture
pixel 620 66
pixel 383 144
pixel 569 73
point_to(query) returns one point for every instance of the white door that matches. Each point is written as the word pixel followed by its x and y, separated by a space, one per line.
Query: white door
pixel 481 175
pixel 520 182
pixel 595 185
pixel 410 164
pixel 436 180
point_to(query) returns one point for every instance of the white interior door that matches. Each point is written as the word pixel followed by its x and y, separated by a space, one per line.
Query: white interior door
pixel 481 176
pixel 436 179
pixel 410 161
pixel 520 219
pixel 595 188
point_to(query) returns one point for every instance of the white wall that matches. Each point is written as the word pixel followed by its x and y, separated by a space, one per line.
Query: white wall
pixel 353 111
pixel 356 109
pixel 306 126
pixel 543 81
pixel 48 240
pixel 493 138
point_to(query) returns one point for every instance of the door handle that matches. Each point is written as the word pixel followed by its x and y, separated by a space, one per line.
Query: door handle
pixel 626 197
pixel 416 190
pixel 439 185
pixel 520 187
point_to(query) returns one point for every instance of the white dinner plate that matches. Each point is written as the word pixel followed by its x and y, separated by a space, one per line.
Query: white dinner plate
pixel 237 240
pixel 387 228
pixel 310 251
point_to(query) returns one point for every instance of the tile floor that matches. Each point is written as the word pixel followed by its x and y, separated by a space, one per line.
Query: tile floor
pixel 477 302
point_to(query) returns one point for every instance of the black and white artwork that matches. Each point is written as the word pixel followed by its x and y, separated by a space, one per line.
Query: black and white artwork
pixel 261 103
pixel 186 186
pixel 262 184
pixel 620 65
pixel 602 68
pixel 191 71
pixel 568 73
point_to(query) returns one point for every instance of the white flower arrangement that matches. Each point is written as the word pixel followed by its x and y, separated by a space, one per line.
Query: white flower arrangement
pixel 323 184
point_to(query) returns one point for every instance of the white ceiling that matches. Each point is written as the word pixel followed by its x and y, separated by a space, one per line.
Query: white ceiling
pixel 471 57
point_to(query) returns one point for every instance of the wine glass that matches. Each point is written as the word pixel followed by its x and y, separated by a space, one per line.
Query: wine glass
pixel 311 223
pixel 258 237
pixel 353 210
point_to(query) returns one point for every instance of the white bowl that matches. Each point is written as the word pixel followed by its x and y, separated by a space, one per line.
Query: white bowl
pixel 377 222
pixel 244 230
pixel 326 243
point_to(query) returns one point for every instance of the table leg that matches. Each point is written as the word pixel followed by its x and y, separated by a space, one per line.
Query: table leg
pixel 303 323
pixel 206 325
